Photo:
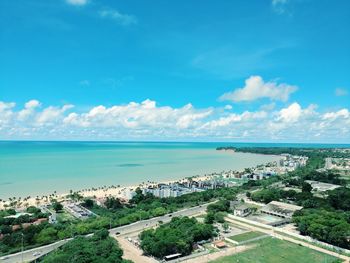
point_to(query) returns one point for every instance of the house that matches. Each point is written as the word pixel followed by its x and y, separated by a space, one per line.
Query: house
pixel 280 209
pixel 241 210
pixel 219 244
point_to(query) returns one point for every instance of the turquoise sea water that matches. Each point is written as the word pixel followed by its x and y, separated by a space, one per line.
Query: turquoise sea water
pixel 37 168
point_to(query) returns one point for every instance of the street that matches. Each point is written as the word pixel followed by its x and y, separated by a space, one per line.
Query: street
pixel 32 254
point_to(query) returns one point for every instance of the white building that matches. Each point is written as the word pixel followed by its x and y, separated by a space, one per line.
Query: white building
pixel 242 210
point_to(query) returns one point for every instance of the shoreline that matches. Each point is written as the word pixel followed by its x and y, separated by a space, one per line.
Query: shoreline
pixel 98 192
pixel 115 190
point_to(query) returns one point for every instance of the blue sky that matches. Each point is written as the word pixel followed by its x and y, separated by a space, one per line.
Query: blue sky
pixel 86 53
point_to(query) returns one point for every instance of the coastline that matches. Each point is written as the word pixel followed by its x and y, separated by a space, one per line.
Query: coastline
pixel 110 190
pixel 99 192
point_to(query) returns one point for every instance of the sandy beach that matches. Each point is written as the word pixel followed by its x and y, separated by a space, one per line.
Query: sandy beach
pixel 99 193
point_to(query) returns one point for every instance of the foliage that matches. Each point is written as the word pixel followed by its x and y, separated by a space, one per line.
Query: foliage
pixel 340 198
pixel 88 203
pixel 178 236
pixel 266 195
pixel 225 226
pixel 113 203
pixel 7 212
pixel 57 206
pixel 148 206
pixel 327 226
pixel 95 249
pixel 306 187
pixel 220 206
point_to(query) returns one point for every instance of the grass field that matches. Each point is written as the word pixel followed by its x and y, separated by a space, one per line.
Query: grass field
pixel 64 216
pixel 272 250
pixel 246 236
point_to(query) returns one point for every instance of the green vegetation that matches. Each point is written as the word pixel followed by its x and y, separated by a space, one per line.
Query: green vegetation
pixel 270 250
pixel 266 195
pixel 328 226
pixel 246 236
pixel 98 248
pixel 216 212
pixel 8 212
pixel 114 214
pixel 178 236
pixel 112 203
pixel 88 203
pixel 326 219
pixel 58 207
pixel 142 207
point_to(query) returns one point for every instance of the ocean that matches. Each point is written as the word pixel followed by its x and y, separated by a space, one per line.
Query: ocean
pixel 40 168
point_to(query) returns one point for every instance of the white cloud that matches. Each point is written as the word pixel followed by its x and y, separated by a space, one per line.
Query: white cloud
pixel 77 2
pixel 235 118
pixel 122 19
pixel 343 113
pixel 294 112
pixel 138 115
pixel 290 114
pixel 51 114
pixel 147 120
pixel 6 113
pixel 340 92
pixel 255 88
pixel 6 106
pixel 29 109
pixel 32 104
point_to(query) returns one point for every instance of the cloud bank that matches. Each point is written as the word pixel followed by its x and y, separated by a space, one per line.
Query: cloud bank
pixel 147 121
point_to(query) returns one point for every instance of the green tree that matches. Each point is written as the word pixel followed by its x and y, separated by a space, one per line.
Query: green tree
pixel 88 203
pixel 113 203
pixel 177 236
pixel 306 187
pixel 57 206
pixel 225 226
pixel 209 218
pixel 98 248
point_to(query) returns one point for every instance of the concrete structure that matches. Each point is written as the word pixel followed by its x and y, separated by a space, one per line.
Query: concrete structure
pixel 17 215
pixel 52 218
pixel 280 209
pixel 241 210
pixel 78 211
pixel 127 194
pixel 172 190
pixel 322 187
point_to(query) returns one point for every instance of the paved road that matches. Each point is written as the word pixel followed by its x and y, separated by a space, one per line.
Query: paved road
pixel 33 254
pixel 29 255
pixel 138 226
